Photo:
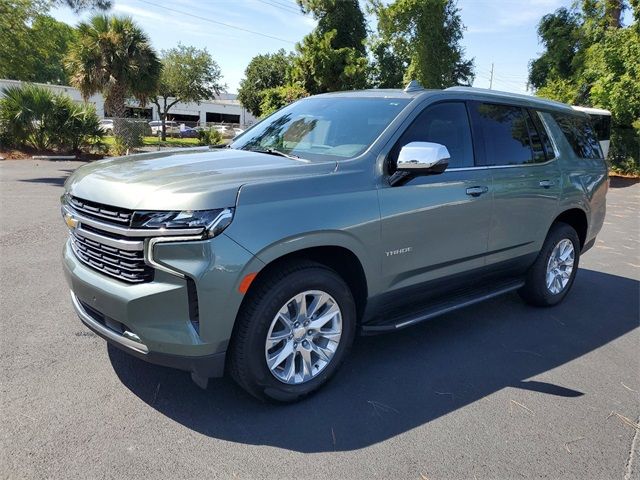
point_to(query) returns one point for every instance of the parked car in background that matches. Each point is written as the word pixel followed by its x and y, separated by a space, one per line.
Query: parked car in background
pixel 188 132
pixel 224 130
pixel 171 127
pixel 237 131
pixel 341 213
pixel 106 125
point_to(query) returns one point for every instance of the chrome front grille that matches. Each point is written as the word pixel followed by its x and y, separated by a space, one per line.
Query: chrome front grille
pixel 102 212
pixel 126 263
pixel 95 241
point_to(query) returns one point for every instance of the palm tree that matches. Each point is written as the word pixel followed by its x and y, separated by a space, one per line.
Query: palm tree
pixel 113 56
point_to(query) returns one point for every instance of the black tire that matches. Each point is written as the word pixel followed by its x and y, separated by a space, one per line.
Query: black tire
pixel 246 361
pixel 535 291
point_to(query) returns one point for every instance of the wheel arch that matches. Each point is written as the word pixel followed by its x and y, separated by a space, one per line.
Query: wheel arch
pixel 336 257
pixel 577 219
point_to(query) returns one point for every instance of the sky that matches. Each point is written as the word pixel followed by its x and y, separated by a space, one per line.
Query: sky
pixel 501 33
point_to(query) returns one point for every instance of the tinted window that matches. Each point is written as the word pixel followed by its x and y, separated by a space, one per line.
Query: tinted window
pixel 546 141
pixel 535 140
pixel 580 134
pixel 446 124
pixel 504 133
pixel 322 128
pixel 602 126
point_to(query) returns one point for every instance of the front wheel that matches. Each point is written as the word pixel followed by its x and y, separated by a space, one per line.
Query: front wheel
pixel 293 332
pixel 550 278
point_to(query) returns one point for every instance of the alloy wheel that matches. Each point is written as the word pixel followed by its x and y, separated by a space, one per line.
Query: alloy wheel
pixel 303 337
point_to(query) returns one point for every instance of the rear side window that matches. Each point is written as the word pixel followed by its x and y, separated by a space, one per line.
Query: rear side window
pixel 445 123
pixel 580 134
pixel 550 153
pixel 504 131
pixel 602 126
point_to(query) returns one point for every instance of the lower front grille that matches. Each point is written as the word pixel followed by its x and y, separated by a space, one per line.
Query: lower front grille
pixel 122 263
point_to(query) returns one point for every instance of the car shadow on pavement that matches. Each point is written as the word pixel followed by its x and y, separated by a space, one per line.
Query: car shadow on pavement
pixel 393 383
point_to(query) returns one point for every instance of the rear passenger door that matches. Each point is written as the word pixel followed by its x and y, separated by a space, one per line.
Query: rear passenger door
pixel 514 145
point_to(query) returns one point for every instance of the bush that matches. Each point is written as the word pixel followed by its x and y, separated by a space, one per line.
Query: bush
pixel 33 116
pixel 624 151
pixel 209 137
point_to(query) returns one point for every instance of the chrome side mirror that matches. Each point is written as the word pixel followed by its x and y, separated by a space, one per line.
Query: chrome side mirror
pixel 423 158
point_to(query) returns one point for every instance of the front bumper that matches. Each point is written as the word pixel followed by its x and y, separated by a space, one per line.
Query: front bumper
pixel 205 366
pixel 154 320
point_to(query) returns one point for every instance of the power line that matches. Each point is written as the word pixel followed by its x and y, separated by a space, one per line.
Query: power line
pixel 205 19
pixel 286 8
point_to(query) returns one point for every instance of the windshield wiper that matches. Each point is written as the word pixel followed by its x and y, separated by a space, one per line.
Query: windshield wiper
pixel 273 151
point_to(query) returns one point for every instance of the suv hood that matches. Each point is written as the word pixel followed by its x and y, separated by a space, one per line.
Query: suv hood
pixel 183 181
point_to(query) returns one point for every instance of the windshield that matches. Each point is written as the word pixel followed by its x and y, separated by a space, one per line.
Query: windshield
pixel 323 128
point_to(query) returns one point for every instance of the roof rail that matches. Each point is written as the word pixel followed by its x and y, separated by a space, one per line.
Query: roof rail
pixel 498 93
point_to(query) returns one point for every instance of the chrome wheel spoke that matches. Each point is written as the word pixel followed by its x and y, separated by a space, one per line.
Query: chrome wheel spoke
pixel 277 337
pixel 560 266
pixel 323 353
pixel 307 366
pixel 325 317
pixel 276 359
pixel 303 337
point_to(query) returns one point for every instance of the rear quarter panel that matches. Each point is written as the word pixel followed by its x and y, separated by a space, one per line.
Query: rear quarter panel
pixel 584 182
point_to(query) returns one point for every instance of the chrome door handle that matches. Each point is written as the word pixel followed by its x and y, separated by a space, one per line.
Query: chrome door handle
pixel 546 183
pixel 477 191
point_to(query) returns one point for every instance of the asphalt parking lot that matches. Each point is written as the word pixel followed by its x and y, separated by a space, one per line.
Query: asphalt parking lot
pixel 495 391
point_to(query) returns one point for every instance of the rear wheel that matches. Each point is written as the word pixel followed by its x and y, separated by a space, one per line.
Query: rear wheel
pixel 293 332
pixel 551 276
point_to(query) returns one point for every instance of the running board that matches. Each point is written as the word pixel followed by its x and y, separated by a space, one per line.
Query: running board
pixel 441 308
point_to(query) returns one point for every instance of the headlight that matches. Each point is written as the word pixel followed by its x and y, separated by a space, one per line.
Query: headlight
pixel 213 221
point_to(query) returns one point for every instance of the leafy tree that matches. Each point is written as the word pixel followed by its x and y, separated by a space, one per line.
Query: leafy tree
pixel 188 75
pixel 113 56
pixel 274 99
pixel 386 69
pixel 321 68
pixel 79 5
pixel 343 16
pixel 51 41
pixel 560 34
pixel 264 72
pixel 427 33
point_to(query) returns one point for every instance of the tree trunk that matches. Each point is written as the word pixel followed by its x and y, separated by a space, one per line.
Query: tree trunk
pixel 163 117
pixel 115 101
pixel 613 12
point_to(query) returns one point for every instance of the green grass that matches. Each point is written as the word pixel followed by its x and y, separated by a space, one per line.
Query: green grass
pixel 152 141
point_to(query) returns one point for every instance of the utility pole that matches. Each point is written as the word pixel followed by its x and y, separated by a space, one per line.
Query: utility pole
pixel 491 78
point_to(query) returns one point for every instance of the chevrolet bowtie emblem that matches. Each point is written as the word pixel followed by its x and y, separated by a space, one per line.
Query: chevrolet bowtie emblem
pixel 70 221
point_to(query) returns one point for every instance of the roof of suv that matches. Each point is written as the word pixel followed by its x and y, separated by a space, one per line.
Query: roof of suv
pixel 471 91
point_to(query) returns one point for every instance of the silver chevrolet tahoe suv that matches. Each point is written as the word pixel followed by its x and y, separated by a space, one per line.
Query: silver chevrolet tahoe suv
pixel 345 213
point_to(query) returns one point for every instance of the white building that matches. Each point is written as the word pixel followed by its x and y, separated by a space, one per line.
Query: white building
pixel 223 109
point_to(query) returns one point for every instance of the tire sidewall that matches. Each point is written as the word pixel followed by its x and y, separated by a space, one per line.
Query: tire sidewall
pixel 285 289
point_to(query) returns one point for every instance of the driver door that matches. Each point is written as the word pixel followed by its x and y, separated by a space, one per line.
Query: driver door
pixel 436 226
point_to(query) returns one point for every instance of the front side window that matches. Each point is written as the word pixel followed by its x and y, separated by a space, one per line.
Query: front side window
pixel 444 123
pixel 504 132
pixel 580 134
pixel 323 128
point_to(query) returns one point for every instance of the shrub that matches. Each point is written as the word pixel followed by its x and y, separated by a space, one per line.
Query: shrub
pixel 209 137
pixel 624 151
pixel 33 116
